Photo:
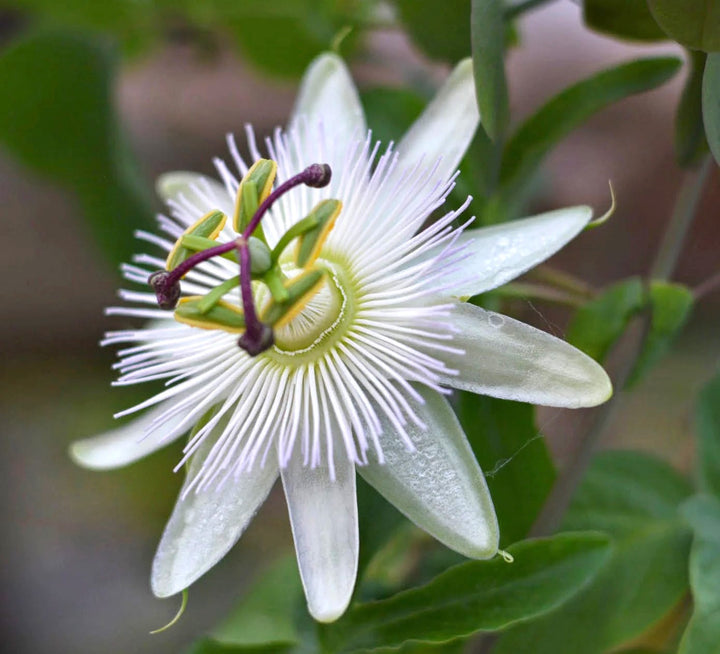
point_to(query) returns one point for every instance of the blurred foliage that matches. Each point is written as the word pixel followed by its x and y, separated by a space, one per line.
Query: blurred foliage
pixel 439 29
pixel 626 19
pixel 57 116
pixel 513 455
pixel 690 143
pixel 711 103
pixel 488 53
pixel 474 596
pixel 692 23
pixel 633 498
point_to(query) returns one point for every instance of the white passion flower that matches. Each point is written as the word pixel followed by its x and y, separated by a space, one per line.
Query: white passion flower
pixel 351 333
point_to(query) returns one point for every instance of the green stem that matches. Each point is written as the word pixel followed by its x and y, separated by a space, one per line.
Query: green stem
pixel 662 268
pixel 680 221
pixel 562 280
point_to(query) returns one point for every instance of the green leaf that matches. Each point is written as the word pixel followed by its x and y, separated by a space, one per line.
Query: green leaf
pixel 693 23
pixel 711 104
pixel 707 422
pixel 390 111
pixel 440 29
pixel 540 133
pixel 513 456
pixel 702 635
pixel 57 118
pixel 378 521
pixel 210 646
pixel 265 613
pixel 487 28
pixel 690 143
pixel 597 326
pixel 626 19
pixel 475 596
pixel 671 305
pixel 634 498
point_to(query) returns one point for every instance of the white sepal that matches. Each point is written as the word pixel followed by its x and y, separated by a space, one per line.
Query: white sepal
pixel 439 486
pixel 127 443
pixel 204 525
pixel 446 126
pixel 508 359
pixel 324 520
pixel 498 254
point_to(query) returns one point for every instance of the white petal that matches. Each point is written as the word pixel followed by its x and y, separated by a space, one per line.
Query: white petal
pixel 205 525
pixel 202 191
pixel 509 359
pixel 328 94
pixel 126 444
pixel 323 516
pixel 495 255
pixel 447 125
pixel 440 486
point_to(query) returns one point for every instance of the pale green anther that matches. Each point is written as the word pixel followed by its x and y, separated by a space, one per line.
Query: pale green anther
pixel 310 242
pixel 254 188
pixel 209 300
pixel 208 227
pixel 300 289
pixel 300 227
pixel 220 316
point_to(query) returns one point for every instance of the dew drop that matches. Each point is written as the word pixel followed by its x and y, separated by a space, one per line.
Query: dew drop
pixel 496 320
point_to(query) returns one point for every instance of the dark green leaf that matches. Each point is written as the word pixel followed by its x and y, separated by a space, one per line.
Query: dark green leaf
pixel 693 23
pixel 512 453
pixel 475 596
pixel 390 112
pixel 702 635
pixel 210 646
pixel 634 498
pixel 536 137
pixel 707 422
pixel 57 117
pixel 265 613
pixel 378 522
pixel 627 19
pixel 596 327
pixel 440 29
pixel 488 52
pixel 671 305
pixel 711 104
pixel 690 143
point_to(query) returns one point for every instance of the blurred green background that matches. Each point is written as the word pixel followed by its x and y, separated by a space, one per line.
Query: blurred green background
pixel 96 100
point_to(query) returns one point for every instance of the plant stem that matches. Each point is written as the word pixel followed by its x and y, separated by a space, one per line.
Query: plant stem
pixel 662 268
pixel 711 284
pixel 680 221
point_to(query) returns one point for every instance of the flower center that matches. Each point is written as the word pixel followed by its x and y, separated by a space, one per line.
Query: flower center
pixel 321 322
pixel 289 290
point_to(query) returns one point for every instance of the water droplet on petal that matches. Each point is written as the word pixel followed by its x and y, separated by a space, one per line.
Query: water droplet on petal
pixel 496 320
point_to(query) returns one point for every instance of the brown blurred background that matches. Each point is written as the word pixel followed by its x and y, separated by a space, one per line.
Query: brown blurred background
pixel 78 545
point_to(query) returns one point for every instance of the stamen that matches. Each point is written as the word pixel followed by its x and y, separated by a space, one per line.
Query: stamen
pixel 257 336
pixel 315 176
